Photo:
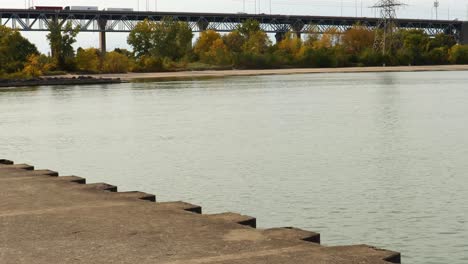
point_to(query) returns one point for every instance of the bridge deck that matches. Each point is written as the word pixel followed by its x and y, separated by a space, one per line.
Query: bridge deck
pixel 49 219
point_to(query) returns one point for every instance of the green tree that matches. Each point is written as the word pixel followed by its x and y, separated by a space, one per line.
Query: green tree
pixel 165 39
pixel 141 38
pixel 257 43
pixel 412 46
pixel 61 41
pixel 14 50
pixel 459 54
pixel 234 41
pixel 88 60
pixel 441 41
pixel 249 27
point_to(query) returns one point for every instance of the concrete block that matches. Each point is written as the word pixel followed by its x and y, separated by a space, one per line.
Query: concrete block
pixel 236 218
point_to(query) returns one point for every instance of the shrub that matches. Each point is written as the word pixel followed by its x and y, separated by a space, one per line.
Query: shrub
pixel 115 62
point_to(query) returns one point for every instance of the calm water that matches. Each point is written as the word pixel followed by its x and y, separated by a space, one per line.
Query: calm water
pixel 380 159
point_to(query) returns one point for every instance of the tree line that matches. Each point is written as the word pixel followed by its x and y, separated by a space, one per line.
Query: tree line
pixel 167 46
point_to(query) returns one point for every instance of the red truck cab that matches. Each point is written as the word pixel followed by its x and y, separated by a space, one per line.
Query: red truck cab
pixel 48 8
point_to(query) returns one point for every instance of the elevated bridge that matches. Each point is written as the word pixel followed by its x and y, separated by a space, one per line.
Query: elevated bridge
pixel 119 21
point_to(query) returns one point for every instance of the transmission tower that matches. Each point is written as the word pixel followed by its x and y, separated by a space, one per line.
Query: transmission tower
pixel 384 40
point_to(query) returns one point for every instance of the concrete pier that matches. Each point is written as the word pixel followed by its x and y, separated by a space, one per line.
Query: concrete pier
pixel 45 218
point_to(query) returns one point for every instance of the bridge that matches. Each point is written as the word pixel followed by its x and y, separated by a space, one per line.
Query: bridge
pixel 118 21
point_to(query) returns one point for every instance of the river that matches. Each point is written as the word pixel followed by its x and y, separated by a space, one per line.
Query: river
pixel 374 158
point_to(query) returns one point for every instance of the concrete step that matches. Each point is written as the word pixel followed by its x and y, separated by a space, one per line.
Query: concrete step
pixel 293 234
pixel 235 218
pixel 181 206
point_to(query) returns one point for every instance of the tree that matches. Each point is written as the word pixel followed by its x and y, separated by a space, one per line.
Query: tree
pixel 234 41
pixel 330 38
pixel 165 39
pixel 370 57
pixel 205 41
pixel 413 45
pixel 115 62
pixel 210 48
pixel 291 44
pixel 441 40
pixel 459 54
pixel 88 60
pixel 141 38
pixel 219 53
pixel 33 67
pixel 312 57
pixel 14 50
pixel 61 44
pixel 257 43
pixel 249 27
pixel 358 38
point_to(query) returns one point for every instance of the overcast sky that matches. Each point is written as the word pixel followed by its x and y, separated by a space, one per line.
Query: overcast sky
pixel 415 9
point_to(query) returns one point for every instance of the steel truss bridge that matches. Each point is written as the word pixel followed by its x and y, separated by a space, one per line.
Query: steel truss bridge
pixel 118 21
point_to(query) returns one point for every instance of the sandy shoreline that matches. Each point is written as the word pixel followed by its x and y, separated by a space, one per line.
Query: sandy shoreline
pixel 225 73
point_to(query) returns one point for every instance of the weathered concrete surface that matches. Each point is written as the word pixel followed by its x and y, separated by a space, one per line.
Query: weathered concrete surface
pixel 50 219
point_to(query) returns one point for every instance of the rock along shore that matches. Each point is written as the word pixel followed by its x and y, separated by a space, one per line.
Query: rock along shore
pixel 49 219
pixel 48 81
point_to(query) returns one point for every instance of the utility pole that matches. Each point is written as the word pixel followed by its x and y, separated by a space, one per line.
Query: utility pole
pixel 341 7
pixel 355 7
pixel 466 12
pixel 436 7
pixel 362 7
pixel 384 40
pixel 156 5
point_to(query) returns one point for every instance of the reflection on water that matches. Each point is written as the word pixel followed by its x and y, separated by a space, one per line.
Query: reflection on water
pixel 361 158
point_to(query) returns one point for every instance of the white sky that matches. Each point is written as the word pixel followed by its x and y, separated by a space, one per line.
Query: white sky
pixel 449 9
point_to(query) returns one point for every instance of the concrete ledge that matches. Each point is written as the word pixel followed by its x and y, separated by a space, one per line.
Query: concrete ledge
pixel 293 234
pixel 46 219
pixel 17 166
pixel 181 206
pixel 100 186
pixel 236 218
pixel 74 179
pixel 138 195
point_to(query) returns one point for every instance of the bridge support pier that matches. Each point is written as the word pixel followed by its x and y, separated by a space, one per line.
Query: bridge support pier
pixel 102 23
pixel 203 25
pixel 280 36
pixel 297 28
pixel 464 34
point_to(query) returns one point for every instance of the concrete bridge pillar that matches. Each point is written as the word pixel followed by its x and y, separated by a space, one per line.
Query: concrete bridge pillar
pixel 464 34
pixel 297 28
pixel 280 35
pixel 203 25
pixel 102 23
